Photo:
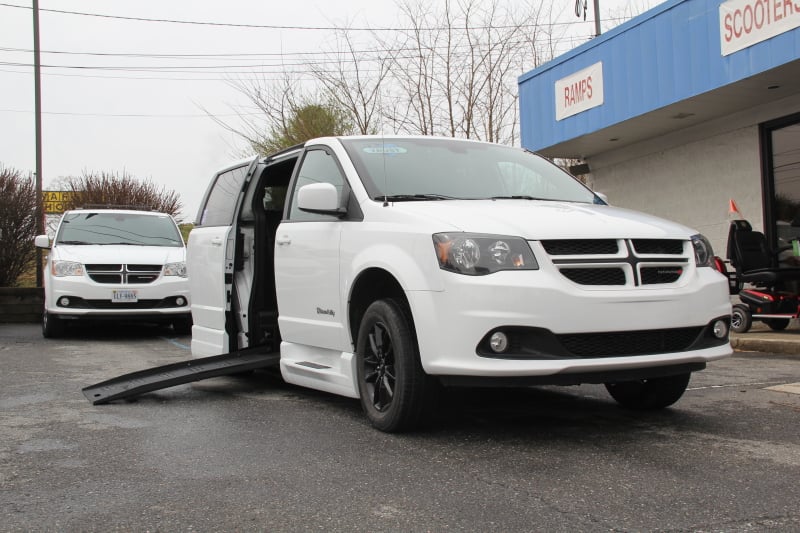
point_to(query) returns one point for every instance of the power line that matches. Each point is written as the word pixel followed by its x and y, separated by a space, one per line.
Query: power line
pixel 131 115
pixel 278 27
pixel 274 66
pixel 251 55
pixel 146 78
pixel 158 78
pixel 276 69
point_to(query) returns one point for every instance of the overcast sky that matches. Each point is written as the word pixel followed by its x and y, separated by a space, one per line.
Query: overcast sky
pixel 142 112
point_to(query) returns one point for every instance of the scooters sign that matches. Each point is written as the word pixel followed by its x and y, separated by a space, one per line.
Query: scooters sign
pixel 744 23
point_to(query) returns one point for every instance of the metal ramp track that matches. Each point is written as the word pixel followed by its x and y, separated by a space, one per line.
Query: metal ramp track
pixel 162 377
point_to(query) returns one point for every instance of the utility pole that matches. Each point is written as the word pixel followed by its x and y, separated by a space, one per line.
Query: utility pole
pixel 581 8
pixel 596 18
pixel 37 82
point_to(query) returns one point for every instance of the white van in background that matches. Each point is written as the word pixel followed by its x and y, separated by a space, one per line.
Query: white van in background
pixel 115 264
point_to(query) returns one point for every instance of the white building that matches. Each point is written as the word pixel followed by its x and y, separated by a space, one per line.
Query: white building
pixel 680 110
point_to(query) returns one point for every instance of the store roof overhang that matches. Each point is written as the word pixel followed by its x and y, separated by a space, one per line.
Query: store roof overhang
pixel 760 89
pixel 670 68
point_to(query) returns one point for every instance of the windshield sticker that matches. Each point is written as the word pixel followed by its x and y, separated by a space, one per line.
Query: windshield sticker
pixel 390 149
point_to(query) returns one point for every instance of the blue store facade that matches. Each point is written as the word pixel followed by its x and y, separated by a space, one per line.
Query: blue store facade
pixel 681 109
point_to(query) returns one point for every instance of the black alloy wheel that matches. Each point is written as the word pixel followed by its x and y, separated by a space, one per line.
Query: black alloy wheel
pixel 393 388
pixel 379 374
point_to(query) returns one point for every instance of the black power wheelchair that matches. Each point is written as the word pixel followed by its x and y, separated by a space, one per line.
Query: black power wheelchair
pixel 768 296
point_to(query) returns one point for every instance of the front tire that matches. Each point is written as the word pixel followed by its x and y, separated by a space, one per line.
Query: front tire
pixel 391 382
pixel 52 326
pixel 649 394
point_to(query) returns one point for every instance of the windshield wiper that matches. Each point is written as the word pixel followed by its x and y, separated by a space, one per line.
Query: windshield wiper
pixel 73 242
pixel 518 197
pixel 414 197
pixel 121 243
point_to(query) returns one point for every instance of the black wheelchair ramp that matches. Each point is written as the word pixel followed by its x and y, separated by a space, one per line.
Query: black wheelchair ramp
pixel 162 377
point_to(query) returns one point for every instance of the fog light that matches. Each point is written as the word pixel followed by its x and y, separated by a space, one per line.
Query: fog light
pixel 498 342
pixel 179 301
pixel 64 301
pixel 720 329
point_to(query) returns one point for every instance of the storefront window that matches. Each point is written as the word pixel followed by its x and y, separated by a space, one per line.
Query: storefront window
pixel 783 173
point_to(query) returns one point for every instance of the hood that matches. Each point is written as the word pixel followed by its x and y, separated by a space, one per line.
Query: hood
pixel 143 255
pixel 538 220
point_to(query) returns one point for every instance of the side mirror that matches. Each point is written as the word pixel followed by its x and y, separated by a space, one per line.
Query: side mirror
pixel 42 241
pixel 321 198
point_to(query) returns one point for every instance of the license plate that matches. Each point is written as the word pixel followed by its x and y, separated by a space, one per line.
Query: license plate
pixel 124 296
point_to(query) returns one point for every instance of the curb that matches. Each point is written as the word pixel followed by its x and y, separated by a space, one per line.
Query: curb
pixel 758 343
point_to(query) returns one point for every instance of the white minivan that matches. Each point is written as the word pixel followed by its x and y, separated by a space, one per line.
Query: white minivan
pixel 115 264
pixel 385 268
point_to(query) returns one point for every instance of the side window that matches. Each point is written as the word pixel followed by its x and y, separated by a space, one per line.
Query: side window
pixel 221 203
pixel 318 166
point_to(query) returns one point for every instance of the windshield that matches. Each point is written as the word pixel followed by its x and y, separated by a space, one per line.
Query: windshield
pixel 118 228
pixel 437 169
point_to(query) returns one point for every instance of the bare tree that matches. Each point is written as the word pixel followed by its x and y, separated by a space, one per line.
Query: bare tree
pixel 17 225
pixel 353 80
pixel 289 113
pixel 112 189
pixel 461 79
pixel 451 73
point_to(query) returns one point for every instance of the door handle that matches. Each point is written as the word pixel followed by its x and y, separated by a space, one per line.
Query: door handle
pixel 283 241
pixel 216 241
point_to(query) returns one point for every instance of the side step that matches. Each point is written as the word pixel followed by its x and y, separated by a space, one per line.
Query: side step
pixel 161 377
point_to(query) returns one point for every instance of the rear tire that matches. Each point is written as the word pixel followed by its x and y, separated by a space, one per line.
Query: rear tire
pixel 649 394
pixel 52 326
pixel 392 385
pixel 741 319
pixel 182 326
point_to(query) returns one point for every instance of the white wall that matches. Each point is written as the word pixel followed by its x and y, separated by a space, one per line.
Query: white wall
pixel 690 175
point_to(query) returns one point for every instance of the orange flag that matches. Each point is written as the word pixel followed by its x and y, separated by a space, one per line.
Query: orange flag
pixel 733 210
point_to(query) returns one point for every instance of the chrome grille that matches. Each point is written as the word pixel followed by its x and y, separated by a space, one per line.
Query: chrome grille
pixel 656 275
pixel 581 246
pixel 619 262
pixel 595 276
pixel 119 274
pixel 658 246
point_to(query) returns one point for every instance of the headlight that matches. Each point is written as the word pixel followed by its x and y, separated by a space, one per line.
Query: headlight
pixel 175 269
pixel 478 255
pixel 66 268
pixel 703 253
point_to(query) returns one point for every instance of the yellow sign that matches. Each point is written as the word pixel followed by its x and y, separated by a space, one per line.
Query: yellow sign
pixel 55 202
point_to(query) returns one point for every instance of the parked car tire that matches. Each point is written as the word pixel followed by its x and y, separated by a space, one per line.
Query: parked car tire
pixel 52 326
pixel 649 394
pixel 741 319
pixel 391 383
pixel 182 326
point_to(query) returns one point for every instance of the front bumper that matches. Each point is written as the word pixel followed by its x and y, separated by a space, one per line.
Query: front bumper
pixel 457 320
pixel 87 299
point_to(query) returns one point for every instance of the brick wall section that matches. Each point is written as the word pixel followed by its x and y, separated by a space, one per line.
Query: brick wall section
pixel 21 304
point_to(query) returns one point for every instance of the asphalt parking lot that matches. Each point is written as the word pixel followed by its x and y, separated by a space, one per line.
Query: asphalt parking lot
pixel 251 453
